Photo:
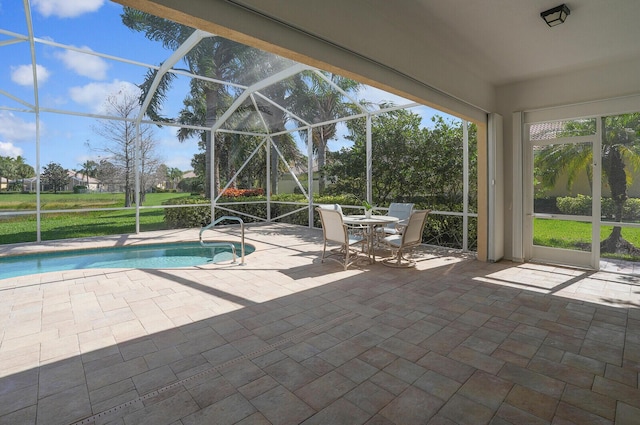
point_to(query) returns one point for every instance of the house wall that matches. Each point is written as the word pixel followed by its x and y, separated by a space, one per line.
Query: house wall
pixel 581 186
pixel 288 185
pixel 600 82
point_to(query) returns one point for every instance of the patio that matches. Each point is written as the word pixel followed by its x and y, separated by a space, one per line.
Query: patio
pixel 286 339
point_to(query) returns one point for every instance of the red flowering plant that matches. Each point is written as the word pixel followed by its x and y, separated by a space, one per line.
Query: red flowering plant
pixel 238 193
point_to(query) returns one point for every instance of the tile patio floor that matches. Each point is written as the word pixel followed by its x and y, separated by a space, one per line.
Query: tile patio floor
pixel 286 339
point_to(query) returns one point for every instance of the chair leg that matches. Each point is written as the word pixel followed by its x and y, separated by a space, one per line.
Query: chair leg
pixel 398 260
pixel 346 258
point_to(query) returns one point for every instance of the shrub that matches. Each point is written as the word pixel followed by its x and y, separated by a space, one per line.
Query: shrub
pixel 440 230
pixel 581 205
pixel 189 216
pixel 239 193
pixel 255 206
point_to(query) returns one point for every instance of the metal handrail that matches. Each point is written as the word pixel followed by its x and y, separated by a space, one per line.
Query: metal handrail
pixel 233 247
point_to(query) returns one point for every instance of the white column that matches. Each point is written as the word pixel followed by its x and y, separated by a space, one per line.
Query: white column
pixel 369 161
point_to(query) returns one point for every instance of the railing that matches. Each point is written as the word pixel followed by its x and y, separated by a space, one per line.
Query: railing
pixel 233 247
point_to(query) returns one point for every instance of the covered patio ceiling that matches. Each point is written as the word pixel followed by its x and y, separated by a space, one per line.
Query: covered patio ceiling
pixel 427 49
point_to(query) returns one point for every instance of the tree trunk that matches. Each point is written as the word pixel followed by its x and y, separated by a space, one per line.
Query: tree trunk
pixel 127 193
pixel 216 175
pixel 207 166
pixel 322 181
pixel 211 161
pixel 617 179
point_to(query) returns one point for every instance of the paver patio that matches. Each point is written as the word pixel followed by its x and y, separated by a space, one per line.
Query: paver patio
pixel 286 339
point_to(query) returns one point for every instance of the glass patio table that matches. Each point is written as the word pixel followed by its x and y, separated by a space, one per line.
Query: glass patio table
pixel 370 223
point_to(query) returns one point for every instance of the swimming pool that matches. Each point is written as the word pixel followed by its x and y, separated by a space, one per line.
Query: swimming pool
pixel 156 256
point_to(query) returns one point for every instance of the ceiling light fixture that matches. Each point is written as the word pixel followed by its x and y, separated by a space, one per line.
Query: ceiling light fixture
pixel 556 16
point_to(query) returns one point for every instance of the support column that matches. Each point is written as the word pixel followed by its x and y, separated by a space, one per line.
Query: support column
pixel 369 162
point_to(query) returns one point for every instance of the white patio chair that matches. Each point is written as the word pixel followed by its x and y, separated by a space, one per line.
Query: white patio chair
pixel 357 230
pixel 399 210
pixel 335 231
pixel 335 207
pixel 409 238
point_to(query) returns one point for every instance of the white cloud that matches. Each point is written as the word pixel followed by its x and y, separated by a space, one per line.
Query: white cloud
pixel 94 95
pixel 13 128
pixel 23 74
pixel 66 8
pixel 8 149
pixel 84 64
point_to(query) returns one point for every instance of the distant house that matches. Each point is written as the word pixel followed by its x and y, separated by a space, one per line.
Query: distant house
pixel 95 185
pixel 287 184
pixel 166 184
pixel 29 184
pixel 79 179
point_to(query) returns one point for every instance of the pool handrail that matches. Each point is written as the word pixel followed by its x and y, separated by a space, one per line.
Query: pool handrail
pixel 233 247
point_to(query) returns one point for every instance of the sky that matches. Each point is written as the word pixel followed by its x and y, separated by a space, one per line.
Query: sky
pixel 78 83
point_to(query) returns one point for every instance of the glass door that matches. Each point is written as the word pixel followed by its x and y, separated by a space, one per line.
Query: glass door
pixel 620 210
pixel 562 206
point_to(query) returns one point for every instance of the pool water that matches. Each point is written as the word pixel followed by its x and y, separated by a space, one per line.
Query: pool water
pixel 158 256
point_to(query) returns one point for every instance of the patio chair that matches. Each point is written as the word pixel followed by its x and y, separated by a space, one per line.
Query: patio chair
pixel 399 210
pixel 357 230
pixel 409 238
pixel 335 231
pixel 335 207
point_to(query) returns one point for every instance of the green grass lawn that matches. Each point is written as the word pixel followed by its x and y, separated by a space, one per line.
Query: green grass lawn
pixel 576 235
pixel 22 228
pixel 62 201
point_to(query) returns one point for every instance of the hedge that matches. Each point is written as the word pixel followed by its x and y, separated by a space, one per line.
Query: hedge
pixel 252 206
pixel 441 230
pixel 581 205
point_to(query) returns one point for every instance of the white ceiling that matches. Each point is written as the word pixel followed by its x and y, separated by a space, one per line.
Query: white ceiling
pixel 499 41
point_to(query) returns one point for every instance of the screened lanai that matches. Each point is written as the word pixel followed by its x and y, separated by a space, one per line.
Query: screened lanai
pixel 163 108
pixel 126 143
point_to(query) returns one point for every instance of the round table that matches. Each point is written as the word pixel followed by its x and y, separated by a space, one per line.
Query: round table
pixel 370 223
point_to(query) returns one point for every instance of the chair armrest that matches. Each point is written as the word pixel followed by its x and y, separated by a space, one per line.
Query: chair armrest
pixel 401 225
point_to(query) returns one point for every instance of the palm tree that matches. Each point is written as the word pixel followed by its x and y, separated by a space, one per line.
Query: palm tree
pixel 620 148
pixel 317 101
pixel 174 175
pixel 23 170
pixel 214 57
pixel 7 169
pixel 88 169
